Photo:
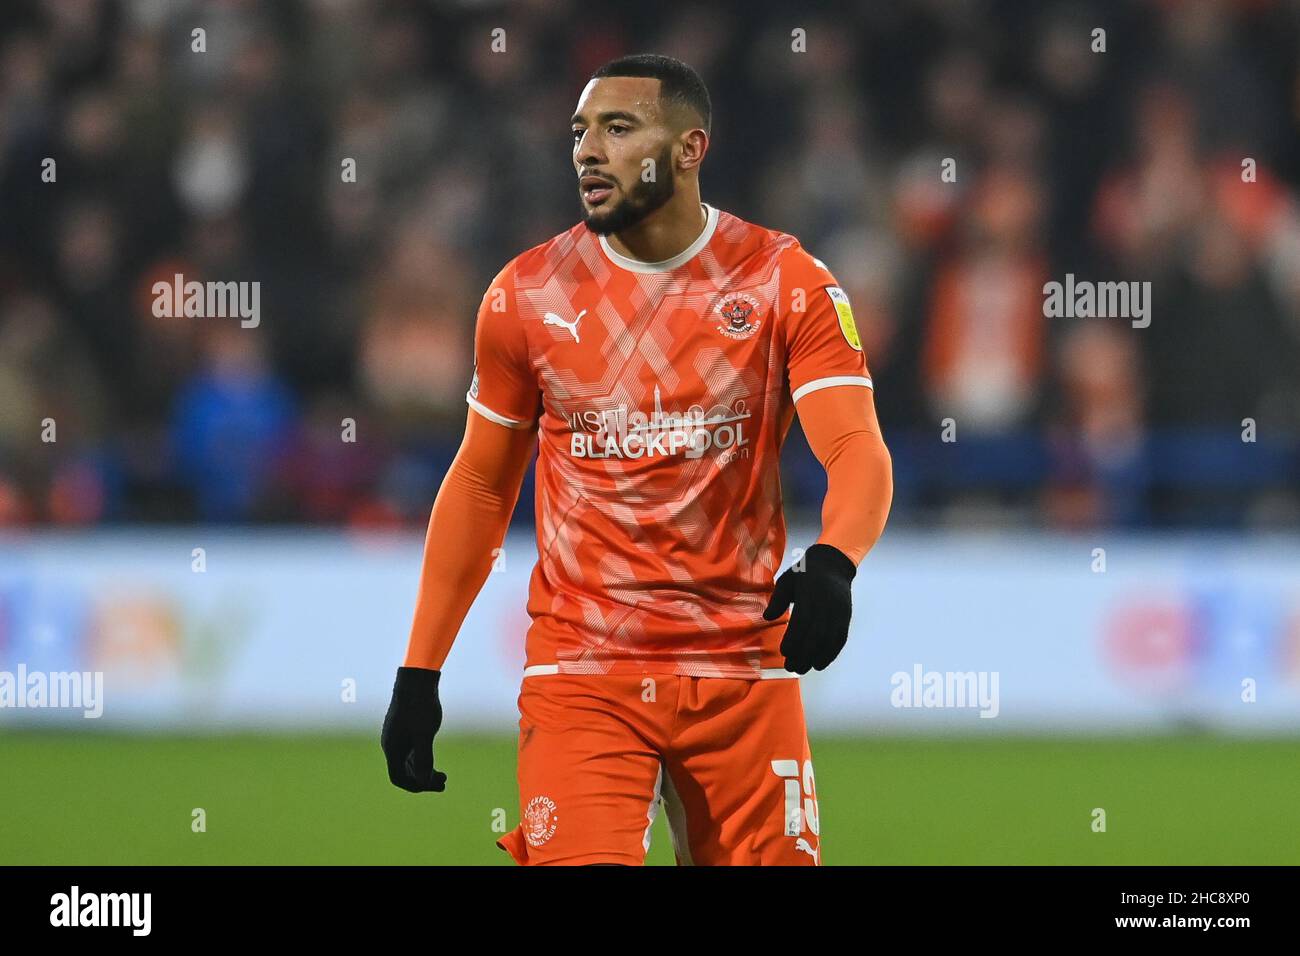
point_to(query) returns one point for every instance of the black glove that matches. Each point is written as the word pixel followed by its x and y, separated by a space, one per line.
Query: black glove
pixel 414 716
pixel 823 600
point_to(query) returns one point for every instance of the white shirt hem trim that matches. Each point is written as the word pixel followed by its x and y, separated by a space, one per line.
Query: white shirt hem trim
pixel 767 673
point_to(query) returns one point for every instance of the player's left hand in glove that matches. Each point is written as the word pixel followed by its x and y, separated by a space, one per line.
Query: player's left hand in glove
pixel 822 595
pixel 414 716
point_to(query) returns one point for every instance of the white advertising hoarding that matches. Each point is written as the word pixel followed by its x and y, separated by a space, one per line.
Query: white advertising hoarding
pixel 951 633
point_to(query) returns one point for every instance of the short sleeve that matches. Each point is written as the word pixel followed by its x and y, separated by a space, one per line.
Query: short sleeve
pixel 822 344
pixel 504 388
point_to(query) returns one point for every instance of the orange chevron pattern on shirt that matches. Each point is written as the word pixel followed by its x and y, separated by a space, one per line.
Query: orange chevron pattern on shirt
pixel 662 394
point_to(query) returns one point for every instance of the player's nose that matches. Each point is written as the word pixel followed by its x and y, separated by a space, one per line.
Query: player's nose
pixel 587 155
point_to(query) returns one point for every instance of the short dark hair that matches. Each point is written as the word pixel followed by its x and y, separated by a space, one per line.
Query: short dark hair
pixel 678 83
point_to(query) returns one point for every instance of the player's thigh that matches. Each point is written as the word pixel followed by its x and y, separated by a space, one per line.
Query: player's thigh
pixel 589 777
pixel 740 790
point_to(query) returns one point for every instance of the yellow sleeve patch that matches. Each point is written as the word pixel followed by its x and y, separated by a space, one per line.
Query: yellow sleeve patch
pixel 845 312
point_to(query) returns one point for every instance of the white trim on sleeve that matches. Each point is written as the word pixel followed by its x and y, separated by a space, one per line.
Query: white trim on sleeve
pixel 817 383
pixel 493 416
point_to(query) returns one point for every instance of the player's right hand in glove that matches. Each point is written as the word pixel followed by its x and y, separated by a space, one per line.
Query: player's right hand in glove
pixel 414 716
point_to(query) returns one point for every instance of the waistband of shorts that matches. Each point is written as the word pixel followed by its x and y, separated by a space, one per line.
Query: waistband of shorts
pixel 766 673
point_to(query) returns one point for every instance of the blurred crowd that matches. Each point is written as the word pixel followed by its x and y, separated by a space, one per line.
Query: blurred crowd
pixel 1170 156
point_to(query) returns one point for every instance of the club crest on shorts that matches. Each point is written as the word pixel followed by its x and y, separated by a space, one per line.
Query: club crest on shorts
pixel 739 315
pixel 540 820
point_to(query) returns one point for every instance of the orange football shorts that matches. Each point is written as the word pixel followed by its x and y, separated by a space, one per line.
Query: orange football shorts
pixel 727 760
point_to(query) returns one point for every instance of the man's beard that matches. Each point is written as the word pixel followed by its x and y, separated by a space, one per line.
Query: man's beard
pixel 643 199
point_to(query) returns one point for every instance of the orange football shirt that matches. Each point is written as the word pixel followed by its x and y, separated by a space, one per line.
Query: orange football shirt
pixel 661 393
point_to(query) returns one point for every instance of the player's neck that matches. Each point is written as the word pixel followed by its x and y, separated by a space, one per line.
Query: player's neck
pixel 665 232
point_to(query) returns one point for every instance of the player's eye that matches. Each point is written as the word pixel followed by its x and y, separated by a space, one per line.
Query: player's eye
pixel 577 134
pixel 617 129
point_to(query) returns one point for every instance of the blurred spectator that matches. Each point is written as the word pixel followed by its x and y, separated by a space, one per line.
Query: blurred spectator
pixel 233 422
pixel 1096 438
pixel 985 339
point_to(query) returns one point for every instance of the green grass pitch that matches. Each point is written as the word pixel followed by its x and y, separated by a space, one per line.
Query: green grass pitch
pixel 106 799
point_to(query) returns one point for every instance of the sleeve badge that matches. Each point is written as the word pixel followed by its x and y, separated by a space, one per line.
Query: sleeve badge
pixel 845 313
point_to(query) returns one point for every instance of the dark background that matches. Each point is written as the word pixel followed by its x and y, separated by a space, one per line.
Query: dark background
pixel 225 165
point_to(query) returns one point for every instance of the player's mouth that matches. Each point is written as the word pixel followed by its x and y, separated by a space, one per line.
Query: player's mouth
pixel 595 190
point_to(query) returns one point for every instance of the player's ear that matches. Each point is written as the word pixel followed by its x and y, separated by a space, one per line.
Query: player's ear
pixel 691 147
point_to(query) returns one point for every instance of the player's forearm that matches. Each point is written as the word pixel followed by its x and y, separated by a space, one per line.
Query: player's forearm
pixel 466 527
pixel 859 492
pixel 843 432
